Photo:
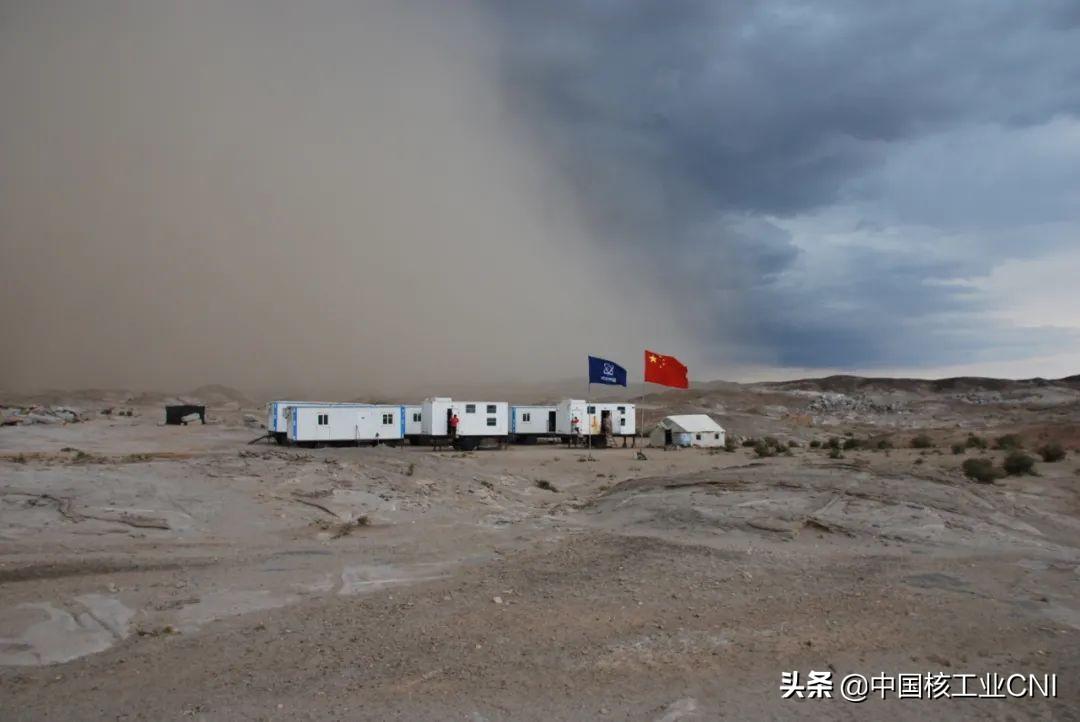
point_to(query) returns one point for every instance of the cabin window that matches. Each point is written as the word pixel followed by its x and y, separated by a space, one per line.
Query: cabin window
pixel 388 418
pixel 622 409
pixel 699 437
pixel 492 421
pixel 470 408
pixel 591 411
pixel 324 419
pixel 491 408
pixel 416 418
pixel 622 422
pixel 526 416
pixel 716 436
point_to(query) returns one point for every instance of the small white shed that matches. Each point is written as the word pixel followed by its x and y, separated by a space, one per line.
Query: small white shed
pixel 687 430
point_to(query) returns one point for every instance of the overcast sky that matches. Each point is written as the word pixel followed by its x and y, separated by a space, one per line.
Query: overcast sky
pixel 828 184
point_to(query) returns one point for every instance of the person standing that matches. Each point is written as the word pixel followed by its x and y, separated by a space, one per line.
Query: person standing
pixel 575 430
pixel 454 420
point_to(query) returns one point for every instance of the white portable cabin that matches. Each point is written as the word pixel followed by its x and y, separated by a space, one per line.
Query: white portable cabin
pixel 413 420
pixel 276 421
pixel 345 423
pixel 475 418
pixel 623 417
pixel 533 420
pixel 688 430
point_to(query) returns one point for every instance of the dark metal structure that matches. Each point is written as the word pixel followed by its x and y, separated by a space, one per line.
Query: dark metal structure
pixel 174 415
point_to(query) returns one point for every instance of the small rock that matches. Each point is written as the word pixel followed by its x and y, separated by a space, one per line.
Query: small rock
pixel 497 600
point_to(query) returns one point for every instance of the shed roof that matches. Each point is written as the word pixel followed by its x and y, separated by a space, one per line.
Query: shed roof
pixel 691 423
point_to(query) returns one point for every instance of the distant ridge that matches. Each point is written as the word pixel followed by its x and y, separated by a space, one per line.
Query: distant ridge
pixel 955 384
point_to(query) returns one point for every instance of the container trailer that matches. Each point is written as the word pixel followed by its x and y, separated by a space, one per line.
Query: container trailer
pixel 413 421
pixel 477 420
pixel 276 416
pixel 591 416
pixel 345 424
pixel 529 423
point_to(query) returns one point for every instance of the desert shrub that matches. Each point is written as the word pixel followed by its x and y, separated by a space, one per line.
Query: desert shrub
pixel 976 442
pixel 919 461
pixel 852 444
pixel 833 442
pixel 980 469
pixel 749 442
pixel 729 444
pixel 922 441
pixel 1017 463
pixel 1009 442
pixel 1052 452
pixel 764 450
pixel 835 453
pixel 792 444
pixel 815 444
pixel 884 444
pixel 959 448
pixel 772 441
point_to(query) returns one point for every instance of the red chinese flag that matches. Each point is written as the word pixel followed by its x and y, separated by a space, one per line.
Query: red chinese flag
pixel 665 370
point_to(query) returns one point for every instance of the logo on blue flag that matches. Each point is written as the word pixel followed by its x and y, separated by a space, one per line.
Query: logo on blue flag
pixel 602 371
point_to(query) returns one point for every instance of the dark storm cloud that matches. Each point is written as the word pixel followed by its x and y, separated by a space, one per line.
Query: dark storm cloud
pixel 692 130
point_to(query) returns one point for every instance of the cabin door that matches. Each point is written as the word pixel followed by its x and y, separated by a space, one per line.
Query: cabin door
pixel 551 422
pixel 667 437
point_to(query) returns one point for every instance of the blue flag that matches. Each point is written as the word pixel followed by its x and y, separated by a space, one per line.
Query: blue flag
pixel 602 371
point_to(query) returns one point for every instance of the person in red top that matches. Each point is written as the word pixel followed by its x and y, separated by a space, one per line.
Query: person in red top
pixel 453 426
pixel 575 430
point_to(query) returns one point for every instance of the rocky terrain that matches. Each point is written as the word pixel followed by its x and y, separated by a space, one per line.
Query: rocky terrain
pixel 153 572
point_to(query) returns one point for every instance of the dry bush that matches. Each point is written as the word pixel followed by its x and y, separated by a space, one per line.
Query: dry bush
pixel 1018 463
pixel 764 450
pixel 980 469
pixel 976 442
pixel 1051 452
pixel 1009 442
pixel 922 441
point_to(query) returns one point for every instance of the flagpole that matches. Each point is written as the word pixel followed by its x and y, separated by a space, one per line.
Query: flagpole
pixel 640 407
pixel 588 391
pixel 641 412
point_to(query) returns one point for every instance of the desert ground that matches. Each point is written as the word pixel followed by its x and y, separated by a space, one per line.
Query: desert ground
pixel 152 572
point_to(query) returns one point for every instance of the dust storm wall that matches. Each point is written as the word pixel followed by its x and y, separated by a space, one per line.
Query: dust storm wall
pixel 318 196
